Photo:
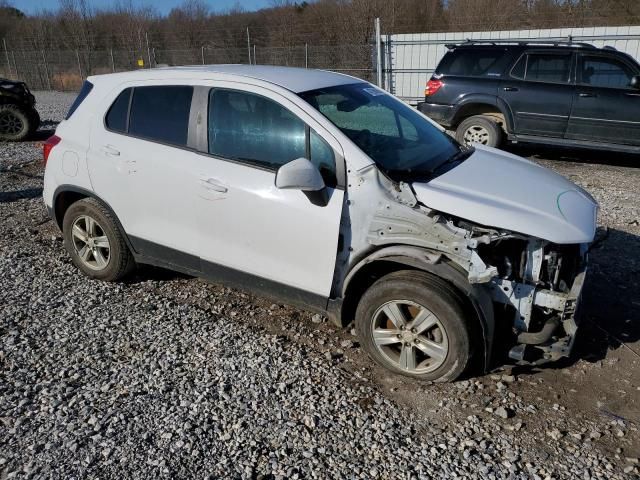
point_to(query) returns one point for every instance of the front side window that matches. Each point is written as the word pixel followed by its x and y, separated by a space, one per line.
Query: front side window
pixel 401 142
pixel 161 113
pixel 542 67
pixel 605 72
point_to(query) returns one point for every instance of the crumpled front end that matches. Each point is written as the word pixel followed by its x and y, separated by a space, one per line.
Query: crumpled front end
pixel 540 285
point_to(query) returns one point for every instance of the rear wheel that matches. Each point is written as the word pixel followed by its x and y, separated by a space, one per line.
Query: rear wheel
pixel 480 129
pixel 15 123
pixel 415 324
pixel 94 241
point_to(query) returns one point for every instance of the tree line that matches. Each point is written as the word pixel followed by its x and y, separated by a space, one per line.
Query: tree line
pixel 129 25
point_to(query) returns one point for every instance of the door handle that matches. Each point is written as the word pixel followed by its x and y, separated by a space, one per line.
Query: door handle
pixel 109 150
pixel 587 95
pixel 213 184
pixel 510 89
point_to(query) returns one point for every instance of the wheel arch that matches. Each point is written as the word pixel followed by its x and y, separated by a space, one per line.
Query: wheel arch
pixel 66 195
pixel 389 259
pixel 481 105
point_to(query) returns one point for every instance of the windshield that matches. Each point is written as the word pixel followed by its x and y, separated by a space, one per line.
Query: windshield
pixel 401 142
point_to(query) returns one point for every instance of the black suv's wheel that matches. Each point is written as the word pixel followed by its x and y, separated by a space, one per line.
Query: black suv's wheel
pixel 15 123
pixel 479 129
pixel 94 241
pixel 414 324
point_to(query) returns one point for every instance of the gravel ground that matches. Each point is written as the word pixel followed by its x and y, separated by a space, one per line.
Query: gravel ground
pixel 169 376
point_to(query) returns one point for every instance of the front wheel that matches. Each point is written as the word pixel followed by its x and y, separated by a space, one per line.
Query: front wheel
pixel 415 324
pixel 479 129
pixel 15 123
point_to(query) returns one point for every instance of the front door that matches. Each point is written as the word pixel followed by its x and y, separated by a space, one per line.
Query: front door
pixel 605 107
pixel 252 233
pixel 539 92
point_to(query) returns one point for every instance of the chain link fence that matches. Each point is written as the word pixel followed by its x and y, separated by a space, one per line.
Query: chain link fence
pixel 67 69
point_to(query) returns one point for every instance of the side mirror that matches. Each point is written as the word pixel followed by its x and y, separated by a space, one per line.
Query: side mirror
pixel 301 174
pixel 635 82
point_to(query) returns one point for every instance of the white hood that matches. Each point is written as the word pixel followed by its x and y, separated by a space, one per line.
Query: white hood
pixel 497 189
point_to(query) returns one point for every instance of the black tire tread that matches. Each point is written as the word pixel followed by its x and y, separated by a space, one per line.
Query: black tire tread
pixel 27 119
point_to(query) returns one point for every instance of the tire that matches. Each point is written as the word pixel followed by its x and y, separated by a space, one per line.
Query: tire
pixel 15 123
pixel 480 129
pixel 35 121
pixel 448 333
pixel 109 259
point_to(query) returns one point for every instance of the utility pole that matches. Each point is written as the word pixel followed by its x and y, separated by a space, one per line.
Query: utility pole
pixel 249 45
pixel 378 53
pixel 6 52
pixel 146 38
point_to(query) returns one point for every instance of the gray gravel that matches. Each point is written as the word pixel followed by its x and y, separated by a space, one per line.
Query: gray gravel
pixel 167 376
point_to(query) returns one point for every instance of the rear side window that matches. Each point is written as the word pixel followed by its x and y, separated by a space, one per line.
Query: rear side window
pixel 161 113
pixel 84 91
pixel 116 119
pixel 543 67
pixel 471 63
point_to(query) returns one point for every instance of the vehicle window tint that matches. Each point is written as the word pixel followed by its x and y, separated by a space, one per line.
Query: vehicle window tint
pixel 84 91
pixel 161 113
pixel 476 62
pixel 322 157
pixel 253 129
pixel 547 67
pixel 605 72
pixel 116 118
pixel 519 68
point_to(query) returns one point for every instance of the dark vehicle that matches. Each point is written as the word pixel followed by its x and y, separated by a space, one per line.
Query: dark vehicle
pixel 18 115
pixel 557 93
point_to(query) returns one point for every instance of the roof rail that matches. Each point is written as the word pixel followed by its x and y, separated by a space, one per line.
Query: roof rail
pixel 556 43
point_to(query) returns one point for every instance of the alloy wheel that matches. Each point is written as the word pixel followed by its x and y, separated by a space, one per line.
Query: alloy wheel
pixel 10 124
pixel 476 134
pixel 90 242
pixel 409 336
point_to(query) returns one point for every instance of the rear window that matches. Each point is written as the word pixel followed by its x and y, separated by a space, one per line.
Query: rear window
pixel 161 113
pixel 84 91
pixel 472 62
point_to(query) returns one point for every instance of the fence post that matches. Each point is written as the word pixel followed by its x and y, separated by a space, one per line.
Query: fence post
pixel 378 53
pixel 146 39
pixel 79 66
pixel 254 54
pixel 249 45
pixel 6 52
pixel 202 51
pixel 15 65
pixel 113 63
pixel 306 55
pixel 46 70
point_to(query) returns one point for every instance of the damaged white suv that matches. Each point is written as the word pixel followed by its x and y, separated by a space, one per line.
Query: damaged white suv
pixel 323 190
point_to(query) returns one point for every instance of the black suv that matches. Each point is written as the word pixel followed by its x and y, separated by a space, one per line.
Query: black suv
pixel 554 93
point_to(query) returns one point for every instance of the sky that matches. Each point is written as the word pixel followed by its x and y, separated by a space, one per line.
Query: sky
pixel 162 6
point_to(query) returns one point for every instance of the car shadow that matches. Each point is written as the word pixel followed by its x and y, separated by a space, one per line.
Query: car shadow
pixel 610 304
pixel 25 194
pixel 574 155
pixel 43 133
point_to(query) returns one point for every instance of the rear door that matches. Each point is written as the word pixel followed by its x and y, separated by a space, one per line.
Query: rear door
pixel 539 91
pixel 605 107
pixel 142 165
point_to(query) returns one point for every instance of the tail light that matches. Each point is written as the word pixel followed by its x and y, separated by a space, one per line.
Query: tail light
pixel 432 87
pixel 51 142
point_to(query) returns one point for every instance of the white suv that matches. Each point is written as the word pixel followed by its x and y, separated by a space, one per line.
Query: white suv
pixel 324 191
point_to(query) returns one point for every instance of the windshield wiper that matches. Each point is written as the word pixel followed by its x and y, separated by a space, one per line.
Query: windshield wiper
pixel 461 155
